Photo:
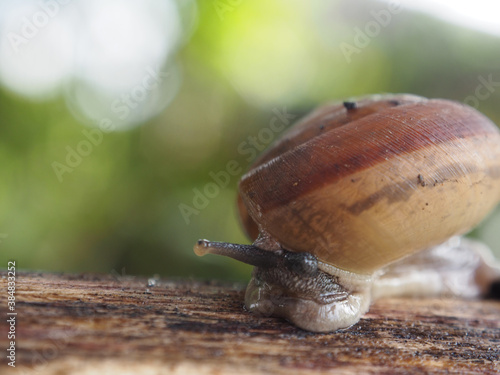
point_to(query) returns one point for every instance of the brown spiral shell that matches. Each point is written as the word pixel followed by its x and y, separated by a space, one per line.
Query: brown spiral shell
pixel 364 183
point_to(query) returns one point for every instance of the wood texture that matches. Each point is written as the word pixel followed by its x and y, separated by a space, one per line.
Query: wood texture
pixel 84 324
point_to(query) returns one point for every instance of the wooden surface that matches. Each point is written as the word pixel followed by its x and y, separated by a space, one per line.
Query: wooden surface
pixel 85 324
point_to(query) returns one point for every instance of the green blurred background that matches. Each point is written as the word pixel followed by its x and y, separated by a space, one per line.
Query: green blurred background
pixel 113 114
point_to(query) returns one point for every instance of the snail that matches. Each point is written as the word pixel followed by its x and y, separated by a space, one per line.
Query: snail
pixel 364 199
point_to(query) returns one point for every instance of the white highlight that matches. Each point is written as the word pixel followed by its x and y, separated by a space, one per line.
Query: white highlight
pixel 97 51
pixel 481 15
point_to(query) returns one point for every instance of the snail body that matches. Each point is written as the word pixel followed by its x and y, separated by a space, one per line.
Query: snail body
pixel 356 201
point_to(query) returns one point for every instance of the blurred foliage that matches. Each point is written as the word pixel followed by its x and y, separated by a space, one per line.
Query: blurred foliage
pixel 118 210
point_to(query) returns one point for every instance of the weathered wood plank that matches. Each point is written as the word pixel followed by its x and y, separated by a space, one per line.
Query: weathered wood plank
pixel 86 323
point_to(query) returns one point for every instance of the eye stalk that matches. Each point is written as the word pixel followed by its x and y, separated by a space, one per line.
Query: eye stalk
pixel 302 264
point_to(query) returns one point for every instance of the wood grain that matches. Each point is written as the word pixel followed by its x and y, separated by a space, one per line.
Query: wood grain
pixel 84 324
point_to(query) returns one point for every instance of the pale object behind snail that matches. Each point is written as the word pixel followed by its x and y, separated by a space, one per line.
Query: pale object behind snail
pixel 365 199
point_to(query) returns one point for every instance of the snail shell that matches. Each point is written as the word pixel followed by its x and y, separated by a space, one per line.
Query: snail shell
pixel 359 186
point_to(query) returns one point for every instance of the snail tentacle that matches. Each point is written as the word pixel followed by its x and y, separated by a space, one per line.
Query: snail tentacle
pixel 303 264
